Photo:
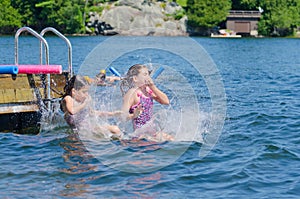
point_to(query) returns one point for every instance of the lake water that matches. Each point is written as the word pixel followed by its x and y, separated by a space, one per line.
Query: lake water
pixel 256 154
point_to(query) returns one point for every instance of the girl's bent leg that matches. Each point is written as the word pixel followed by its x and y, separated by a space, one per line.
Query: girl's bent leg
pixel 164 136
pixel 114 129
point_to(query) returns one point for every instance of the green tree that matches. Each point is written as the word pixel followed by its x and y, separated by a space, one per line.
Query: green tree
pixel 244 4
pixel 9 18
pixel 280 17
pixel 64 15
pixel 182 3
pixel 26 8
pixel 71 18
pixel 206 14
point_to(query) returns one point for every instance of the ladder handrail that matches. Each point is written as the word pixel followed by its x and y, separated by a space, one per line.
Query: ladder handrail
pixel 34 33
pixel 41 38
pixel 67 42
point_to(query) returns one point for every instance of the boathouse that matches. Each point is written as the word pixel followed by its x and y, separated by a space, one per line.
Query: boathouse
pixel 243 22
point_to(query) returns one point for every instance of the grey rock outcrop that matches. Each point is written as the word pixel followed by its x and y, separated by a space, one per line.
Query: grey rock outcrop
pixel 143 17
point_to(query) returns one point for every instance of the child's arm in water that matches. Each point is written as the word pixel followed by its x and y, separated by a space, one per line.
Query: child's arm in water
pixel 108 113
pixel 113 78
pixel 131 99
pixel 72 107
pixel 157 94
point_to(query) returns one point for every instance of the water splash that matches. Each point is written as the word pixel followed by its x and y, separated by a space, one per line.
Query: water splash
pixel 53 118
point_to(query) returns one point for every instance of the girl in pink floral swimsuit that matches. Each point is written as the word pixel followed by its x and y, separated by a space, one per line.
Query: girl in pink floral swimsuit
pixel 138 100
pixel 147 111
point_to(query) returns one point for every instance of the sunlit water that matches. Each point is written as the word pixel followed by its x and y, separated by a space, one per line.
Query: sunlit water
pixel 256 156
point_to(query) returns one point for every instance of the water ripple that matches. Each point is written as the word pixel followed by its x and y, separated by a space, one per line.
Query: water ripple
pixel 256 156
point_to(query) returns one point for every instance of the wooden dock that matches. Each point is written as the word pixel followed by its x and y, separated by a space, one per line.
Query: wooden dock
pixel 28 92
pixel 22 98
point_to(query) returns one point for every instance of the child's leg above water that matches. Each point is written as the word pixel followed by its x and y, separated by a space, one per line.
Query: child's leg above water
pixel 113 129
pixel 164 136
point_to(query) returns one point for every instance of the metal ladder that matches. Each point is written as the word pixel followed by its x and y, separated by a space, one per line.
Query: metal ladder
pixel 44 43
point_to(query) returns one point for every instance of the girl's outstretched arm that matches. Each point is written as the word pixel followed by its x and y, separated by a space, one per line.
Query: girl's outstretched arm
pixel 108 113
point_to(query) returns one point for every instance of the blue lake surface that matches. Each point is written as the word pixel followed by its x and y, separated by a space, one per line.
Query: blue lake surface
pixel 256 156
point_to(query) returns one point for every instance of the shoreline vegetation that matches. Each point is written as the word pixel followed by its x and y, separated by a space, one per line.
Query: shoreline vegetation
pixel 146 17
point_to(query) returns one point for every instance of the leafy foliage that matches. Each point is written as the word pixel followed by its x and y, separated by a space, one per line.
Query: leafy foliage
pixel 64 15
pixel 9 17
pixel 182 3
pixel 279 17
pixel 207 13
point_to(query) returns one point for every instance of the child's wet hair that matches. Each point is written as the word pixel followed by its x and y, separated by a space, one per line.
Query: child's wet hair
pixel 127 82
pixel 76 82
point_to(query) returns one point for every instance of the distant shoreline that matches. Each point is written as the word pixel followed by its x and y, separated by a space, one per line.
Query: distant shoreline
pixel 297 36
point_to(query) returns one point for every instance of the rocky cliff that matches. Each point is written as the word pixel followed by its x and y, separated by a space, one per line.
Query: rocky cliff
pixel 140 17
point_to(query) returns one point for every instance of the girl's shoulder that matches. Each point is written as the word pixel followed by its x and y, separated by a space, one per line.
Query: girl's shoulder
pixel 132 91
pixel 67 98
pixel 132 96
